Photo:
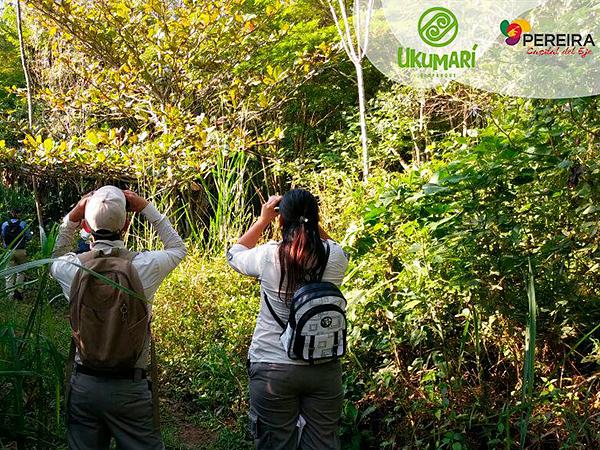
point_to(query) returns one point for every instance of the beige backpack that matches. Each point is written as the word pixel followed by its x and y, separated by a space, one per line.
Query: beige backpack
pixel 109 324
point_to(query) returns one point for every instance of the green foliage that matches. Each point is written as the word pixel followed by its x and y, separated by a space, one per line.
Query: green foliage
pixel 33 338
pixel 438 279
pixel 11 73
pixel 12 105
pixel 439 288
pixel 204 315
pixel 206 106
pixel 142 89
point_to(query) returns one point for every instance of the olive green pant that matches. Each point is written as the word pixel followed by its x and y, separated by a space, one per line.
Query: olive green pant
pixel 280 393
pixel 100 409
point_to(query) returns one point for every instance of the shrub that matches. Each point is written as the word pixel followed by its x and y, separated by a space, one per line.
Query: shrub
pixel 204 314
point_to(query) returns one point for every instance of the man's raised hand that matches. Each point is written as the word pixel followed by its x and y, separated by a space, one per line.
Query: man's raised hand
pixel 78 212
pixel 135 203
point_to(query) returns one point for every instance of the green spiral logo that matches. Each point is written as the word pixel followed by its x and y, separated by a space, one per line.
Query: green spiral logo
pixel 438 26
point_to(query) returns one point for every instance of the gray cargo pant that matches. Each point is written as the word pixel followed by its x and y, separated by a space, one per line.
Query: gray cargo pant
pixel 101 408
pixel 279 393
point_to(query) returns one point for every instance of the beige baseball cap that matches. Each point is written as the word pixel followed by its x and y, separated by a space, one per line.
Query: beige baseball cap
pixel 106 209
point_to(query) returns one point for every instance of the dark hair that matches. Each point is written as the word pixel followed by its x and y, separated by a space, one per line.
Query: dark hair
pixel 301 252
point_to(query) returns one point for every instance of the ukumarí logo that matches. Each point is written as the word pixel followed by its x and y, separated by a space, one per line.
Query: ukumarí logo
pixel 437 27
pixel 555 43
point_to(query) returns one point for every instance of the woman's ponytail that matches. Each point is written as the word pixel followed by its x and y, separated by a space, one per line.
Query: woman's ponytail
pixel 301 252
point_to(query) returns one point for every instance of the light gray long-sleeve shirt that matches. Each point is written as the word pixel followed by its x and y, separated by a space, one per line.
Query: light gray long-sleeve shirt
pixel 262 262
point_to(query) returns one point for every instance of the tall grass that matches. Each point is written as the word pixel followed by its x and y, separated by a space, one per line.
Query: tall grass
pixel 225 198
pixel 31 364
pixel 142 235
pixel 529 362
pixel 227 192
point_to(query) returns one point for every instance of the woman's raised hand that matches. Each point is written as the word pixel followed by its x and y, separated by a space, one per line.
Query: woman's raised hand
pixel 268 212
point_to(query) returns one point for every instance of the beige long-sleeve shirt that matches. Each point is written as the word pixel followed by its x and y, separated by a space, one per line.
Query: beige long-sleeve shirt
pixel 152 266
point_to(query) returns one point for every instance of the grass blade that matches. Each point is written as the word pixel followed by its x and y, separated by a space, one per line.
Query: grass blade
pixel 529 363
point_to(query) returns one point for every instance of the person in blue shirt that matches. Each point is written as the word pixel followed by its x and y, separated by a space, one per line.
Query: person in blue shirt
pixel 15 237
pixel 83 243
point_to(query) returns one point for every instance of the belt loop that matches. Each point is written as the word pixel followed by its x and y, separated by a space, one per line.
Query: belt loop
pixel 137 374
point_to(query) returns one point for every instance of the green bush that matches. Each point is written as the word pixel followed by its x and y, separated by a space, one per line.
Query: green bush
pixel 438 291
pixel 204 315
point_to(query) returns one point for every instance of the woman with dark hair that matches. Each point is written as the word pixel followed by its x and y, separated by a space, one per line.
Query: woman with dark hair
pixel 284 390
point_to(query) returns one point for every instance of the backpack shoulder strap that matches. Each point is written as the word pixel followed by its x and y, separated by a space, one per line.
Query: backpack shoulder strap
pixel 327 252
pixel 126 254
pixel 86 257
pixel 273 313
pixel 134 278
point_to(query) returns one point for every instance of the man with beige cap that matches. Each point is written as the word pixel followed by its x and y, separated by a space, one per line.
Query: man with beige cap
pixel 112 402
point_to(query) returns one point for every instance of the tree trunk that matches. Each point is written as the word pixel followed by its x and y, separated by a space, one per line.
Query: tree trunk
pixel 356 52
pixel 38 209
pixel 24 64
pixel 363 119
pixel 421 127
pixel 38 206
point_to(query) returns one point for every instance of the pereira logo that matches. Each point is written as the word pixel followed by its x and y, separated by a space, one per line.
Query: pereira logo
pixel 513 30
pixel 438 26
pixel 519 30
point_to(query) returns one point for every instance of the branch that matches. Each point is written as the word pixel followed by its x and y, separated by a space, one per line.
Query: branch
pixel 336 20
pixel 347 28
pixel 367 26
pixel 502 130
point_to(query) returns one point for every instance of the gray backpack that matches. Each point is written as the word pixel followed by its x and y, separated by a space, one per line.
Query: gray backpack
pixel 316 327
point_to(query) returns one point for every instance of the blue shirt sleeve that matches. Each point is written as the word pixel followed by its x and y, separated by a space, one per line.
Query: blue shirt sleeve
pixel 27 235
